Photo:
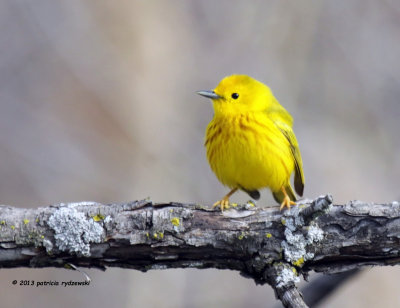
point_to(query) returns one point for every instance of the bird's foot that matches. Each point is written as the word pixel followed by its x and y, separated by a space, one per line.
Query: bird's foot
pixel 223 203
pixel 286 203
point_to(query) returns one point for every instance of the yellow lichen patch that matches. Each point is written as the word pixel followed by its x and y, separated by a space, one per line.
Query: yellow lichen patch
pixel 268 235
pixel 26 221
pixel 98 217
pixel 37 220
pixel 147 234
pixel 171 210
pixel 42 236
pixel 175 221
pixel 3 222
pixel 157 235
pixel 234 204
pixel 299 262
pixel 283 221
pixel 301 206
pixel 294 270
pixel 250 203
pixel 12 227
pixel 241 236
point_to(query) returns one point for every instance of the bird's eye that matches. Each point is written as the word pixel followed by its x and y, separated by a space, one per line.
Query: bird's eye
pixel 235 95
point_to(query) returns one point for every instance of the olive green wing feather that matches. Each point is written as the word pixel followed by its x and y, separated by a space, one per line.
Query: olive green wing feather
pixel 284 121
pixel 294 148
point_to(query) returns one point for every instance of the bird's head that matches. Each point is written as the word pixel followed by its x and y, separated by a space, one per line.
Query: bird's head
pixel 239 94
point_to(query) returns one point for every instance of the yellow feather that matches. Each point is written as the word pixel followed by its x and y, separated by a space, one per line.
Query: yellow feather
pixel 250 143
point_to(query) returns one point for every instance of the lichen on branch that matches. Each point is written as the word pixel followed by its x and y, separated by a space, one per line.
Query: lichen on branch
pixel 264 244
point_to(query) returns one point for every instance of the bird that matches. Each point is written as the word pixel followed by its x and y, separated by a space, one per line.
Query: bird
pixel 250 143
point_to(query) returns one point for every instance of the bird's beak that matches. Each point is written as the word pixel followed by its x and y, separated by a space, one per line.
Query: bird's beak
pixel 209 94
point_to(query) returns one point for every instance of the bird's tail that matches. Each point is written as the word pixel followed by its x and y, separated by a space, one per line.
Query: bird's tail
pixel 254 194
pixel 278 195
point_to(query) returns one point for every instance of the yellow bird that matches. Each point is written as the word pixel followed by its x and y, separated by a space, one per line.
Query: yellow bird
pixel 250 142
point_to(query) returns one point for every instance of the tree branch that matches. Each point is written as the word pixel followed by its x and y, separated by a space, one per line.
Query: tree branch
pixel 264 244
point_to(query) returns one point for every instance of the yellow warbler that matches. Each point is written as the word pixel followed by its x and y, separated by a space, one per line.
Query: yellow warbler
pixel 250 142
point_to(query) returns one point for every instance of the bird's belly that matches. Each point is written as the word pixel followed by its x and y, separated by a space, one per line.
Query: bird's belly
pixel 251 161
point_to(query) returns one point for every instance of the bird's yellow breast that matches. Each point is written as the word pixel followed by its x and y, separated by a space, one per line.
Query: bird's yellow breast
pixel 248 151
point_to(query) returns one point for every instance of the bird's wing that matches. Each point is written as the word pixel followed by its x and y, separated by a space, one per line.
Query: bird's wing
pixel 294 148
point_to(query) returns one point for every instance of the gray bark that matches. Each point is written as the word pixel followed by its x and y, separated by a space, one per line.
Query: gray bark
pixel 264 244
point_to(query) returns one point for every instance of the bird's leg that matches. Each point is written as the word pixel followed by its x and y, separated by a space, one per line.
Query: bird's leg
pixel 224 202
pixel 286 200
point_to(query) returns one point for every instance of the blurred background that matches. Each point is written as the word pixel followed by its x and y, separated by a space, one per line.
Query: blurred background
pixel 97 102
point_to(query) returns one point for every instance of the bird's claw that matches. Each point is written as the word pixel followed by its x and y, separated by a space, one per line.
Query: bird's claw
pixel 286 203
pixel 223 203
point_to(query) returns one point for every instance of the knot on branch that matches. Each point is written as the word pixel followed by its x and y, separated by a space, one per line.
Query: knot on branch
pixel 302 230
